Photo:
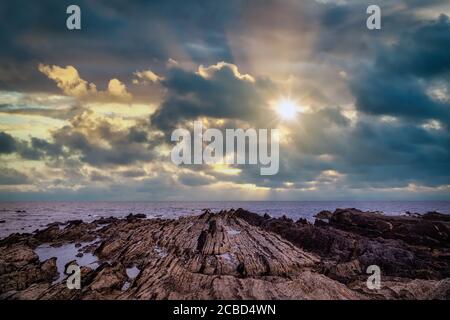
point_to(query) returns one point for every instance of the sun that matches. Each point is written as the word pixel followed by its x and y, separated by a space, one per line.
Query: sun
pixel 286 109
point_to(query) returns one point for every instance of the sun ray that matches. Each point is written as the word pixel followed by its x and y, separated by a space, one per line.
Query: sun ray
pixel 287 109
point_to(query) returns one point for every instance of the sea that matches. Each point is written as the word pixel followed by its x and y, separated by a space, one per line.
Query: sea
pixel 30 216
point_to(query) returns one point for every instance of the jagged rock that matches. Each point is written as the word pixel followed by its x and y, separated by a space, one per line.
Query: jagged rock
pixel 406 289
pixel 72 262
pixel 302 221
pixel 18 238
pixel 109 247
pixel 324 214
pixel 20 267
pixel 369 238
pixel 49 268
pixel 237 254
pixel 48 234
pixel 75 222
pixel 15 257
pixel 431 231
pixel 33 292
pixel 105 220
pixel 55 224
pixel 135 216
pixel 109 278
pixel 75 231
pixel 436 216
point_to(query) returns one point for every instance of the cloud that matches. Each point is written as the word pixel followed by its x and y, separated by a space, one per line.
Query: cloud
pixel 96 176
pixel 133 173
pixel 219 91
pixel 7 143
pixel 210 71
pixel 397 83
pixel 99 142
pixel 118 89
pixel 193 179
pixel 62 114
pixel 10 176
pixel 49 149
pixel 69 81
pixel 146 76
pixel 92 139
pixel 430 40
pixel 34 150
pixel 169 29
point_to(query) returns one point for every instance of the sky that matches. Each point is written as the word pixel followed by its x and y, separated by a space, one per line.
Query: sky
pixel 88 114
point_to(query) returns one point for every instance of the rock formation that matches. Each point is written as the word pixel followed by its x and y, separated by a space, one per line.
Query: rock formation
pixel 236 255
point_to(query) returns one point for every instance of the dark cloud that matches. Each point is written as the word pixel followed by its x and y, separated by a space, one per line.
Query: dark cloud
pixel 421 51
pixel 133 173
pixel 38 33
pixel 99 143
pixel 192 179
pixel 367 153
pixel 343 30
pixel 9 176
pixel 137 135
pixel 50 149
pixel 7 143
pixel 223 94
pixel 98 177
pixel 34 150
pixel 396 84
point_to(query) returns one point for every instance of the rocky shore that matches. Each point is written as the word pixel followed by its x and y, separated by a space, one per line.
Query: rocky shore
pixel 233 255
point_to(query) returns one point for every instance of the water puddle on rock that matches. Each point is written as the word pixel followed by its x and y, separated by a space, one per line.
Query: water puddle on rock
pixel 132 273
pixel 66 253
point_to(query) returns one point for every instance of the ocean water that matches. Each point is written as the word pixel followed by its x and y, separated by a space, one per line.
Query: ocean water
pixel 29 216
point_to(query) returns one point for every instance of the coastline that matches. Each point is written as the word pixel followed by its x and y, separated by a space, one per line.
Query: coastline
pixel 25 216
pixel 234 254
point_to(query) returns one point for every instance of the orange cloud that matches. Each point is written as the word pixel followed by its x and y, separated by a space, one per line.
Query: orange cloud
pixel 146 76
pixel 69 81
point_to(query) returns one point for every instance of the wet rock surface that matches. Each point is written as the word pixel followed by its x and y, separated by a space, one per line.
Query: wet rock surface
pixel 236 255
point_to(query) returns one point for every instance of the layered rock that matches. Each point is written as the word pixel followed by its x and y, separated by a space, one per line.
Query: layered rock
pixel 405 248
pixel 237 255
